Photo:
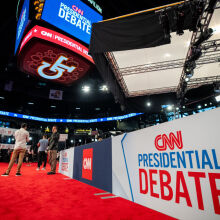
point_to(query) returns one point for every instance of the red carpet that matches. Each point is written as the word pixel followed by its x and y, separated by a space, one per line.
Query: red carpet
pixel 35 195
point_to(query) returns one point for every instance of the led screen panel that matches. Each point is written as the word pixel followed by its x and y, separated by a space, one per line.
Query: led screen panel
pixel 71 16
pixel 58 120
pixel 22 23
pixel 51 56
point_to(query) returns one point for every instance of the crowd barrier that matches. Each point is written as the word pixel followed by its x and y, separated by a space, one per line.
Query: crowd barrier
pixel 172 168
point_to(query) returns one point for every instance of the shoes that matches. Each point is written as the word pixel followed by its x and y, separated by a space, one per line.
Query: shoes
pixel 43 168
pixel 5 174
pixel 38 169
pixel 18 174
pixel 50 173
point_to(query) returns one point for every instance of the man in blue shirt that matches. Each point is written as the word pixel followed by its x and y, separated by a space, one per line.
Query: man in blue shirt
pixel 42 155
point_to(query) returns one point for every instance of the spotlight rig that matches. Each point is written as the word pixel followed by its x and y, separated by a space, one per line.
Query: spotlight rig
pixel 189 68
pixel 204 36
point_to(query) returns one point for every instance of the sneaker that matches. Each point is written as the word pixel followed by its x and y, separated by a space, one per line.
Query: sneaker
pixel 5 174
pixel 43 168
pixel 50 173
pixel 38 169
pixel 18 174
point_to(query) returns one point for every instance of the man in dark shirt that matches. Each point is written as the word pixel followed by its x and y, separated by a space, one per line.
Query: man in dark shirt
pixel 53 147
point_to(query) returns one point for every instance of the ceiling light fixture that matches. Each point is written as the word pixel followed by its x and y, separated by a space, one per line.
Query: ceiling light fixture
pixel 86 89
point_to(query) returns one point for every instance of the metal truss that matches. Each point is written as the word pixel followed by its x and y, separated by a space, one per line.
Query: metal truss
pixel 172 64
pixel 210 54
pixel 211 46
pixel 153 91
pixel 197 82
pixel 204 19
pixel 114 65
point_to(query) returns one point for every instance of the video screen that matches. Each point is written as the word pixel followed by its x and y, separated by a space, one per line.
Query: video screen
pixel 71 16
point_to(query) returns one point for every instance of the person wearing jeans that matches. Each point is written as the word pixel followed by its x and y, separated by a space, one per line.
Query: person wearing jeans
pixel 53 147
pixel 42 156
pixel 21 138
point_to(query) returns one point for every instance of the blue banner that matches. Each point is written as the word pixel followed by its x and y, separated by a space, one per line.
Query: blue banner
pixel 22 23
pixel 71 16
pixel 55 120
pixel 93 164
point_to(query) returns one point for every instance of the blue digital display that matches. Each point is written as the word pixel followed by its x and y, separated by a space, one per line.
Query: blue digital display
pixel 22 23
pixel 34 118
pixel 71 16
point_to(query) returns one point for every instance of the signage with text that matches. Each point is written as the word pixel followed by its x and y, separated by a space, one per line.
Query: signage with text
pixel 173 168
pixel 71 16
pixel 87 164
pixel 29 117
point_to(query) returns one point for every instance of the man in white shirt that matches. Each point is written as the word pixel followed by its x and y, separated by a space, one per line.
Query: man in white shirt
pixel 21 138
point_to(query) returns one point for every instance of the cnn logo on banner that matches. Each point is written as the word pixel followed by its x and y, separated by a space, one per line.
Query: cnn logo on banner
pixel 87 164
pixel 162 141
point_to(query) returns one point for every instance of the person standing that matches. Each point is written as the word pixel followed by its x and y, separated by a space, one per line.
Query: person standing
pixel 53 147
pixel 42 156
pixel 21 139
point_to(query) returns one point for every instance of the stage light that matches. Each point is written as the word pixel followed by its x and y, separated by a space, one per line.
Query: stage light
pixel 30 103
pixel 86 89
pixel 53 106
pixel 188 68
pixel 187 79
pixel 205 105
pixel 169 107
pixel 30 138
pixel 97 109
pixel 77 108
pixel 184 106
pixel 71 141
pixel 104 88
pixel 1 97
pixel 148 104
pixel 204 36
pixel 180 17
pixel 217 98
pixel 177 109
pixel 199 106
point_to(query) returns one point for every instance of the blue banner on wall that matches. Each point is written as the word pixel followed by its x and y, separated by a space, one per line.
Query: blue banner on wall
pixel 93 164
pixel 71 16
pixel 22 23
